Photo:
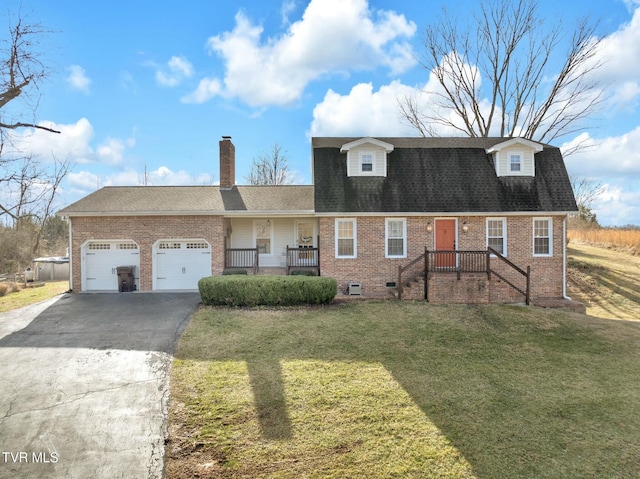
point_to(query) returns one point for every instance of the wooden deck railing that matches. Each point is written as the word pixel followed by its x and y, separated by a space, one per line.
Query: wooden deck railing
pixel 526 274
pixel 449 261
pixel 303 258
pixel 242 258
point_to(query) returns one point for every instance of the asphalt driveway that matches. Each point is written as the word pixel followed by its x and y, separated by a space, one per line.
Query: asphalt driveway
pixel 84 384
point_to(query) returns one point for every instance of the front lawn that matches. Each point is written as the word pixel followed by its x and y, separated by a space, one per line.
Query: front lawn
pixel 27 296
pixel 407 390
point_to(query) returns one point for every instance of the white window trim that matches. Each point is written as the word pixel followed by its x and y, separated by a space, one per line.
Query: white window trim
pixel 355 237
pixel 314 240
pixel 404 238
pixel 363 153
pixel 533 238
pixel 520 155
pixel 504 233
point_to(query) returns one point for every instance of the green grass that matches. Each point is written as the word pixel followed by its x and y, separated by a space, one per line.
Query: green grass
pixel 28 296
pixel 606 281
pixel 407 390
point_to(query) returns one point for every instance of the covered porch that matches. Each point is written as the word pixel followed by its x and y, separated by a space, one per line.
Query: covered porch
pixel 272 245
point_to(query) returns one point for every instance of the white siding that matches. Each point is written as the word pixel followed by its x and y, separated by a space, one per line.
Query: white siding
pixel 379 162
pixel 501 159
pixel 284 233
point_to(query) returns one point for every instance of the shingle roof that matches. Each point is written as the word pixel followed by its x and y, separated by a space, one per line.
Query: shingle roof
pixel 153 200
pixel 438 175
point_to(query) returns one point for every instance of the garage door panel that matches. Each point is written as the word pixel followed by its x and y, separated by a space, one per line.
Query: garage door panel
pixel 179 264
pixel 100 260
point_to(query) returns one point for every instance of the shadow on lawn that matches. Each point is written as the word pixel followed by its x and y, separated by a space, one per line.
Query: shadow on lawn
pixel 517 398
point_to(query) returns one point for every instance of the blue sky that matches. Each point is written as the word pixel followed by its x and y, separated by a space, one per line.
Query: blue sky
pixel 154 85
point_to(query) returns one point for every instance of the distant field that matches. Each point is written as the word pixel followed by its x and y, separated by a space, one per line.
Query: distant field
pixel 624 240
pixel 606 280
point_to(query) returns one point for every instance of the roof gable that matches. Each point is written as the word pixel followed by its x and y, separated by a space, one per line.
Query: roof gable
pixel 388 147
pixel 533 145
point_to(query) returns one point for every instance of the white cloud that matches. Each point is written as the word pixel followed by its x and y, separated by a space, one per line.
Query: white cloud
pixel 179 68
pixel 620 57
pixel 612 157
pixel 84 180
pixel 332 36
pixel 207 89
pixel 111 151
pixel 362 112
pixel 78 80
pixel 72 143
pixel 162 176
pixel 618 206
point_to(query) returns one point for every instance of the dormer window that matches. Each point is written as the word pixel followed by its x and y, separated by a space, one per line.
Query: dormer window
pixel 515 157
pixel 366 162
pixel 515 163
pixel 366 157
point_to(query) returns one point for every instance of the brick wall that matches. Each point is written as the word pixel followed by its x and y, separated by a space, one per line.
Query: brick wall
pixel 373 270
pixel 145 231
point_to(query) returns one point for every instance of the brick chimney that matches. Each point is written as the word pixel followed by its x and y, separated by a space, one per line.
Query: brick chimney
pixel 227 163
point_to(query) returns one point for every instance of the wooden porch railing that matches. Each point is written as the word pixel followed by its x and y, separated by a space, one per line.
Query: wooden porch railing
pixel 298 257
pixel 242 258
pixel 526 274
pixel 478 261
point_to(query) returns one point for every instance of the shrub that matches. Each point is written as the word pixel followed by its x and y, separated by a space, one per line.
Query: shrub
pixel 8 288
pixel 266 290
pixel 232 271
pixel 304 272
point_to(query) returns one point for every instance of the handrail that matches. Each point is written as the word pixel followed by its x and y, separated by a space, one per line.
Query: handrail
pixel 526 274
pixel 402 269
pixel 462 261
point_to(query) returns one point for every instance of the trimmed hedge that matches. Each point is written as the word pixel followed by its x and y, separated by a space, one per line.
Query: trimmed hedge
pixel 266 290
pixel 304 272
pixel 231 271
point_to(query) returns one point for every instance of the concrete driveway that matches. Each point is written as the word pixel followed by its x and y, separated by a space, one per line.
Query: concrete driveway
pixel 84 384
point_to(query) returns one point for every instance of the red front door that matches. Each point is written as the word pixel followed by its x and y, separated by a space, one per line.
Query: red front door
pixel 445 241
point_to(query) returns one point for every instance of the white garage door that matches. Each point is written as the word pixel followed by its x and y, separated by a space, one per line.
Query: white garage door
pixel 100 260
pixel 179 264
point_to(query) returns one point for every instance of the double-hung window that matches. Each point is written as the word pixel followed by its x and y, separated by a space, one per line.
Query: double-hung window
pixel 396 238
pixel 346 239
pixel 515 163
pixel 497 234
pixel 366 162
pixel 542 237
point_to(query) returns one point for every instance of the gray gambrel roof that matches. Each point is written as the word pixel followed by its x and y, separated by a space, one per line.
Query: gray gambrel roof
pixel 424 175
pixel 439 175
pixel 201 200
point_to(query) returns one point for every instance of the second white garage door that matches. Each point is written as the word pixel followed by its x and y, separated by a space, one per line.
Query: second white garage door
pixel 179 264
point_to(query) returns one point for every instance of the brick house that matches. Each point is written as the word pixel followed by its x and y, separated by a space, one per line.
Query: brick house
pixel 484 217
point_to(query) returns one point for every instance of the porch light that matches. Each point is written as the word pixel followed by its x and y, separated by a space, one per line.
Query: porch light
pixel 465 227
pixel 268 223
pixel 429 227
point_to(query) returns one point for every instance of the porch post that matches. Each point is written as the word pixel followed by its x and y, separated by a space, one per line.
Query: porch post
pixel 426 275
pixel 528 285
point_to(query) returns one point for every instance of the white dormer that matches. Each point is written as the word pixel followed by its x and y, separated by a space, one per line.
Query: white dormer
pixel 515 157
pixel 367 157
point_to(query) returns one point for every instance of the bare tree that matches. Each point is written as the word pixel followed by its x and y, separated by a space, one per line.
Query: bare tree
pixel 585 191
pixel 21 70
pixel 270 168
pixel 495 76
pixel 28 185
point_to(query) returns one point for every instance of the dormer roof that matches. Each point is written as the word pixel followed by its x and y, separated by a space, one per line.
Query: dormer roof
pixel 388 147
pixel 535 146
